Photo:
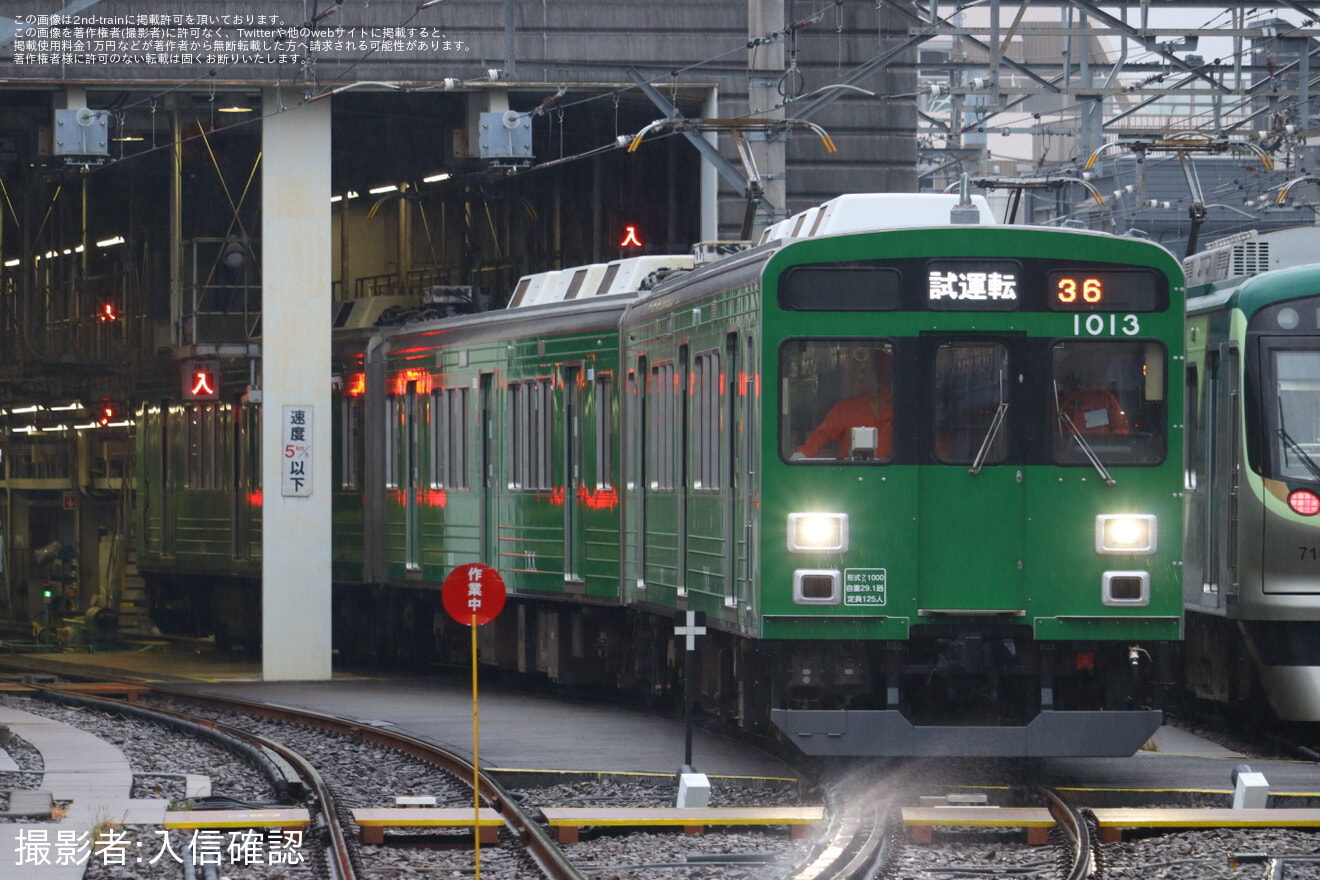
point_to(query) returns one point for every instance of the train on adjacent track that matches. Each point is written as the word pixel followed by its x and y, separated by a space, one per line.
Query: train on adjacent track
pixel 1252 589
pixel 921 472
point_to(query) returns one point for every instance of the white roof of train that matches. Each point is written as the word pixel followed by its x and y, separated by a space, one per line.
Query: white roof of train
pixel 598 279
pixel 870 212
pixel 856 212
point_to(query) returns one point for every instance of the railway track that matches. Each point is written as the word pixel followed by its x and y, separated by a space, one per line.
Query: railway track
pixel 863 836
pixel 528 834
pixel 333 845
pixel 1081 845
pixel 855 847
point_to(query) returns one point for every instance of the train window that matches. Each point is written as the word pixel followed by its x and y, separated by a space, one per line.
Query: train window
pixel 449 439
pixel 604 431
pixel 1109 399
pixel 192 445
pixel 517 422
pixel 202 445
pixel 437 424
pixel 392 442
pixel 456 461
pixel 706 421
pixel 350 417
pixel 544 406
pixel 631 449
pixel 660 468
pixel 1293 410
pixel 841 288
pixel 529 434
pixel 836 400
pixel 971 384
pixel 1192 429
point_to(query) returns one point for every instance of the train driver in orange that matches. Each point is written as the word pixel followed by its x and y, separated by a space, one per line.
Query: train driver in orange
pixel 870 406
pixel 1092 410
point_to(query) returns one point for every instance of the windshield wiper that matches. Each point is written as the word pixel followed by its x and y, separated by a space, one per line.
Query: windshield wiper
pixel 1293 445
pixel 995 424
pixel 1067 422
pixel 1297 449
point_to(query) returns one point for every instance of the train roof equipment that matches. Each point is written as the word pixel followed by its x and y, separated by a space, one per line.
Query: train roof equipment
pixel 1251 253
pixel 872 212
pixel 578 283
pixel 531 287
pixel 628 275
pixel 366 312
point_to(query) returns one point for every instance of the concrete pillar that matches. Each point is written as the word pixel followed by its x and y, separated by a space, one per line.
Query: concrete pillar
pixel 710 179
pixel 295 370
pixel 765 65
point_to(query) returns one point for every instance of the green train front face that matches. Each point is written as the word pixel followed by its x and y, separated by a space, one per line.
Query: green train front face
pixel 970 507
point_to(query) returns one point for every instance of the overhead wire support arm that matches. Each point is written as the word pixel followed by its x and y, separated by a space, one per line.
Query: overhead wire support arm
pixel 1287 187
pixel 707 150
pixel 884 59
pixel 1019 184
pixel 1181 145
pixel 1192 142
pixel 738 129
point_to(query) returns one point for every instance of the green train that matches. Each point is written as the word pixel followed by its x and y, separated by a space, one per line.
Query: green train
pixel 920 473
pixel 1252 589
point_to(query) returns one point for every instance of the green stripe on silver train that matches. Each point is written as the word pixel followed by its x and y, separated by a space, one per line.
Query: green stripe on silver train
pixel 1252 587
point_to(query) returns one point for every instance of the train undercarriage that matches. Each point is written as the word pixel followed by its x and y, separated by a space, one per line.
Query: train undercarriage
pixel 944 691
pixel 1256 668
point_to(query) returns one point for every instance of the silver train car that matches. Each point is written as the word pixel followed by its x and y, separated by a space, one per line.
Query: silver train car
pixel 1252 483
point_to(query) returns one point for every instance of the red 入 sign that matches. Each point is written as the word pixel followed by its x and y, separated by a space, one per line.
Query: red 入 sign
pixel 473 593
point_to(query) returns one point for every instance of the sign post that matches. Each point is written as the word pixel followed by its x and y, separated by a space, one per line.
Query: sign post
pixel 474 595
pixel 693 787
pixel 687 626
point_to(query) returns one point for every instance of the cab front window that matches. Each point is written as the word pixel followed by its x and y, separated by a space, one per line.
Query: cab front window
pixel 836 400
pixel 1108 397
pixel 1294 409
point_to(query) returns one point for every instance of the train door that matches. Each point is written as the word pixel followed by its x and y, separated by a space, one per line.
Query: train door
pixel 1220 413
pixel 572 437
pixel 971 500
pixel 168 481
pixel 486 462
pixel 240 511
pixel 682 483
pixel 149 477
pixel 638 421
pixel 411 515
pixel 747 440
pixel 727 430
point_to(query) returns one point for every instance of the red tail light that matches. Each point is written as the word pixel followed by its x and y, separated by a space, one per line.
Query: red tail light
pixel 1304 501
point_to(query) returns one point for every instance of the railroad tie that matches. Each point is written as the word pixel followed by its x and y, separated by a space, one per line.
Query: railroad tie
pixel 1112 820
pixel 922 821
pixel 569 820
pixel 374 820
pixel 296 818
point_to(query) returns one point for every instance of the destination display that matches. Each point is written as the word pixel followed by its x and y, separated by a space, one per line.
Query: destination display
pixel 1102 290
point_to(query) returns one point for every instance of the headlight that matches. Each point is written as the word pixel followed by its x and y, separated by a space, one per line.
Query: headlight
pixel 820 532
pixel 1125 533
